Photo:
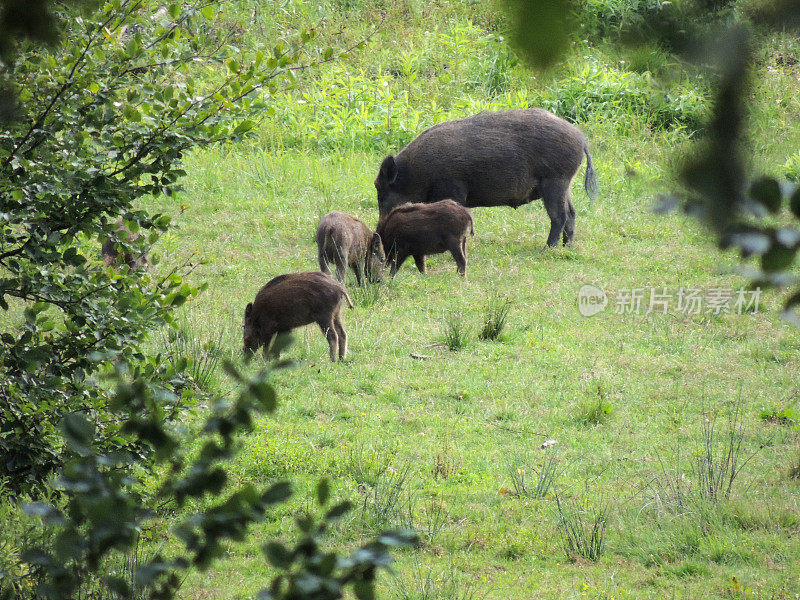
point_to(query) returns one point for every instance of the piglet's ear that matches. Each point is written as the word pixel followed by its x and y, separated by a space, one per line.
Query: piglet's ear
pixel 248 310
pixel 388 170
pixel 376 241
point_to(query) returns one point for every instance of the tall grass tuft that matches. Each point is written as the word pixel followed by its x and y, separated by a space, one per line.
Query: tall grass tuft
pixel 419 583
pixel 794 470
pixel 454 332
pixel 202 354
pixel 495 316
pixel 595 412
pixel 533 481
pixel 719 463
pixel 382 503
pixel 582 530
pixel 370 293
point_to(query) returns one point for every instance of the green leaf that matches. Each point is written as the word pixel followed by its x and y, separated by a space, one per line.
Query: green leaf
pixel 777 258
pixel 364 590
pixel 767 191
pixel 130 113
pixel 78 433
pixel 49 514
pixel 278 555
pixel 338 511
pixel 244 126
pixel 323 492
pixel 794 203
pixel 208 13
pixel 279 492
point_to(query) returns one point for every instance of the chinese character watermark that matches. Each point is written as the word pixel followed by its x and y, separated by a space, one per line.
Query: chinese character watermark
pixel 687 301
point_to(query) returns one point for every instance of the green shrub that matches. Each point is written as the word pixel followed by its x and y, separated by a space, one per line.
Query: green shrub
pixel 612 18
pixel 598 90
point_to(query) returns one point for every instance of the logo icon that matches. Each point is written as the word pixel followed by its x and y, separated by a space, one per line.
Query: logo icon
pixel 591 300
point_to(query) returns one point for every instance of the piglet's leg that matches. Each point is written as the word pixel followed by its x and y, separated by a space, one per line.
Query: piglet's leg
pixel 457 250
pixel 337 323
pixel 329 331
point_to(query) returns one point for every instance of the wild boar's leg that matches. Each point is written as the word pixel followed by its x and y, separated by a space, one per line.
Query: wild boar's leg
pixel 323 261
pixel 402 255
pixel 569 226
pixel 341 266
pixel 555 194
pixel 457 250
pixel 359 271
pixel 329 331
pixel 419 260
pixel 337 323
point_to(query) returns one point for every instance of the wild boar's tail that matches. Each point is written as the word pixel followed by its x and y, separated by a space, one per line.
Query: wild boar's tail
pixel 349 302
pixel 589 180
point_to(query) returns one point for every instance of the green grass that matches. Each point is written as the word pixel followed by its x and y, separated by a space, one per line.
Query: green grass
pixel 427 441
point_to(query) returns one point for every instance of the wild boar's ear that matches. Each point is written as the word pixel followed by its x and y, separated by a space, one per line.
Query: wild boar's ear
pixel 389 169
pixel 248 310
pixel 376 242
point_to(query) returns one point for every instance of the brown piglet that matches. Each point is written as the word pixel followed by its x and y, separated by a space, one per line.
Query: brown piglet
pixel 420 229
pixel 293 300
pixel 345 242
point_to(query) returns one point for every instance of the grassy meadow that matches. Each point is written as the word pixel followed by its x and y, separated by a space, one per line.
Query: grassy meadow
pixel 452 441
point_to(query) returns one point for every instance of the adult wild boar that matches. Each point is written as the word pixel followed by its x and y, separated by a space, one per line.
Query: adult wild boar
pixel 345 241
pixel 505 158
pixel 294 300
pixel 420 229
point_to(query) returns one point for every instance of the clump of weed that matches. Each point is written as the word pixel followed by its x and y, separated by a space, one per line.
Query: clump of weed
pixel 427 518
pixel 381 505
pixel 791 168
pixel 719 463
pixel 445 464
pixel 419 583
pixel 367 465
pixel 202 355
pixel 533 481
pixel 794 471
pixel 583 530
pixel 786 416
pixel 495 316
pixel 371 292
pixel 454 332
pixel 597 89
pixel 596 411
